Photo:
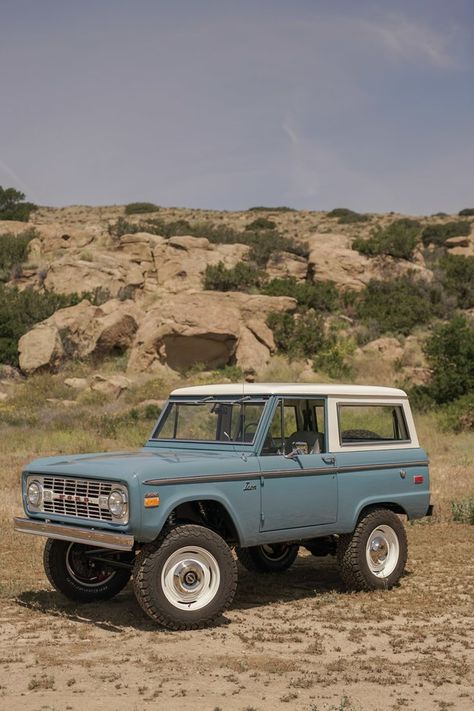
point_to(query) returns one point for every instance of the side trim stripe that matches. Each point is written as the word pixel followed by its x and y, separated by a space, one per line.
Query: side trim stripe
pixel 282 473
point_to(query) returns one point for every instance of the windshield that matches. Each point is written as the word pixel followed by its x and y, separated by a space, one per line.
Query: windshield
pixel 211 420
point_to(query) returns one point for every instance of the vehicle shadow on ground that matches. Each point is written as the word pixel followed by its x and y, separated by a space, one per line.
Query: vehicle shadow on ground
pixel 308 578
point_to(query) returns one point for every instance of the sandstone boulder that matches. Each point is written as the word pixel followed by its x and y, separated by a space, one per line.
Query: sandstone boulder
pixel 332 259
pixel 40 348
pixel 79 331
pixel 283 265
pixel 180 262
pixel 112 386
pixel 76 383
pixel 208 328
pixel 389 349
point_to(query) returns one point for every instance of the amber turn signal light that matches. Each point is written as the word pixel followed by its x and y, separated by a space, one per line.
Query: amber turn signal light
pixel 151 500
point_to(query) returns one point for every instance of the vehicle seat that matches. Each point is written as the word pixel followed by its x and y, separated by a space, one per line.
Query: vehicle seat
pixel 314 440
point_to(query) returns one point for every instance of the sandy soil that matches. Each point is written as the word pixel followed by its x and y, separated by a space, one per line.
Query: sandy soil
pixel 293 640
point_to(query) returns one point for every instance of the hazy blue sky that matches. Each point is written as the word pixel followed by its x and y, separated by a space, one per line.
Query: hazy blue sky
pixel 234 103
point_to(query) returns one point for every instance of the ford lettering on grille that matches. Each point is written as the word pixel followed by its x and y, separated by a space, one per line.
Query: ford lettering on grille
pixel 82 498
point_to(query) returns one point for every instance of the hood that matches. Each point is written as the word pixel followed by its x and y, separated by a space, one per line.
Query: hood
pixel 147 463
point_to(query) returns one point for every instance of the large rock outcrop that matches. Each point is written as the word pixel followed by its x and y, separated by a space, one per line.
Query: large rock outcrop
pixel 209 328
pixel 79 331
pixel 332 258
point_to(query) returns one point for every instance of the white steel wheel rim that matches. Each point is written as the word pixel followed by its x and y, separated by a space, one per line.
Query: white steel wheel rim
pixel 190 578
pixel 382 551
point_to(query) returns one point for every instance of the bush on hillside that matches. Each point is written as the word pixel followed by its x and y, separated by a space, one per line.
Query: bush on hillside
pixel 261 223
pixel 263 208
pixel 13 205
pixel 467 212
pixel 457 278
pixel 242 277
pixel 397 306
pixel 399 239
pixel 346 217
pixel 458 416
pixel 13 250
pixel 438 234
pixel 138 208
pixel 20 310
pixel 262 243
pixel 298 336
pixel 334 358
pixel 450 354
pixel 319 295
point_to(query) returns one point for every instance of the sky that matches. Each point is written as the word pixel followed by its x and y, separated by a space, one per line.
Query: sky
pixel 228 104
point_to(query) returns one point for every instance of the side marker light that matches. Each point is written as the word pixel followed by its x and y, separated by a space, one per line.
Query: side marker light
pixel 151 501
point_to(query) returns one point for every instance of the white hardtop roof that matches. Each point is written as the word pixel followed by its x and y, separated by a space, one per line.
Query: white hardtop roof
pixel 309 389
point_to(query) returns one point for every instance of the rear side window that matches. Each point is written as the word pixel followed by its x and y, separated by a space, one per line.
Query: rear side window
pixel 371 424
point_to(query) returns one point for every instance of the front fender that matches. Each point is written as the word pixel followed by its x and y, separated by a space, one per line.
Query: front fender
pixel 153 519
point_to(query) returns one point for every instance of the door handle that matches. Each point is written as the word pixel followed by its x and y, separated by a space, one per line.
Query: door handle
pixel 329 460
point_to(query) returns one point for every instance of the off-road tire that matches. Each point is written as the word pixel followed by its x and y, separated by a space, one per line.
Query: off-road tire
pixel 56 557
pixel 257 560
pixel 352 552
pixel 150 566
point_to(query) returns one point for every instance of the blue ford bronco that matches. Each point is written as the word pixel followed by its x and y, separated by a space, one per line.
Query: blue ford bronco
pixel 259 469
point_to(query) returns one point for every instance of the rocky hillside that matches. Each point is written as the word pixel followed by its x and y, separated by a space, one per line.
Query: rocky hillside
pixel 139 284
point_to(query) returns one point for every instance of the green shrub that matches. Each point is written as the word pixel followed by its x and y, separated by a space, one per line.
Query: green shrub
pixel 261 223
pixel 334 358
pixel 20 310
pixel 320 295
pixel 262 242
pixel 399 239
pixel 463 510
pixel 458 416
pixel 151 226
pixel 262 208
pixel 397 306
pixel 242 277
pixel 457 278
pixel 299 335
pixel 467 212
pixel 450 355
pixel 265 244
pixel 13 205
pixel 346 216
pixel 13 250
pixel 138 208
pixel 438 234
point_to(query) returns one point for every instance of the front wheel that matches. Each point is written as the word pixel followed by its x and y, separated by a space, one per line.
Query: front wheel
pixel 187 579
pixel 271 558
pixel 84 573
pixel 374 556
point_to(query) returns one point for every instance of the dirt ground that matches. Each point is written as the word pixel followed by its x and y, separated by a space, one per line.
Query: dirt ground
pixel 293 640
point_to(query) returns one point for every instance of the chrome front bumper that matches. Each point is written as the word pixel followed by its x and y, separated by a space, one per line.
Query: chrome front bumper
pixel 75 534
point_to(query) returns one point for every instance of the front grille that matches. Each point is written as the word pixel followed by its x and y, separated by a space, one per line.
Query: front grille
pixel 82 498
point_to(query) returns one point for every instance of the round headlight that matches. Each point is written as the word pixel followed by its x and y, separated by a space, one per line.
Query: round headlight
pixel 34 493
pixel 117 503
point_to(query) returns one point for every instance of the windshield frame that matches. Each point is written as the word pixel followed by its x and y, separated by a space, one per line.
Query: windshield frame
pixel 264 400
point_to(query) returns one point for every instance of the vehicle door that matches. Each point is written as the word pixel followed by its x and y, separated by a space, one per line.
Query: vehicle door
pixel 298 474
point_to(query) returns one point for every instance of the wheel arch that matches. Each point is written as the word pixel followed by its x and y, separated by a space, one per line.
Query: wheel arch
pixel 211 511
pixel 390 505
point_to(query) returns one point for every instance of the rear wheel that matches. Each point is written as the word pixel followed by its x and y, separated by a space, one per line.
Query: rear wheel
pixel 269 558
pixel 187 579
pixel 374 556
pixel 84 573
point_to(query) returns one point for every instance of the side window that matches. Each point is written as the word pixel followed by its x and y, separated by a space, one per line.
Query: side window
pixel 372 424
pixel 302 428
